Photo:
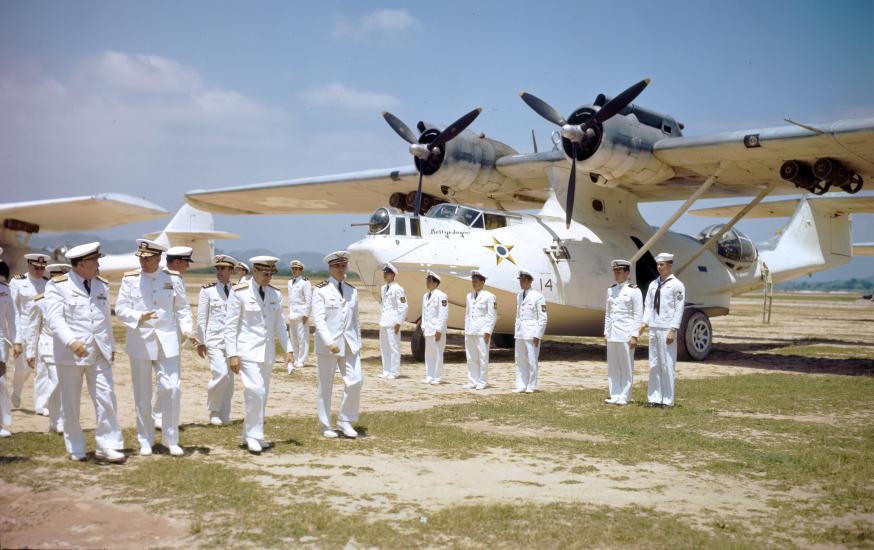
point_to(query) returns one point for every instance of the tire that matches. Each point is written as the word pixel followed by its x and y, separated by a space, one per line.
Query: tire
pixel 417 344
pixel 503 341
pixel 696 336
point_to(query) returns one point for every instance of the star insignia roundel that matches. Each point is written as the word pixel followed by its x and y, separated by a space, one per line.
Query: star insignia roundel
pixel 502 252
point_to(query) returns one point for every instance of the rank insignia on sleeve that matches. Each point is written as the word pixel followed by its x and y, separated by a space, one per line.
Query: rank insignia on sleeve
pixel 444 303
pixel 403 300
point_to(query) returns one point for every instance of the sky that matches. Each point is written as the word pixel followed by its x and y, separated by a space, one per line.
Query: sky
pixel 158 98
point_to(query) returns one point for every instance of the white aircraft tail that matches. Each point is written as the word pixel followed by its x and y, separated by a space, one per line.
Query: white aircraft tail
pixel 194 228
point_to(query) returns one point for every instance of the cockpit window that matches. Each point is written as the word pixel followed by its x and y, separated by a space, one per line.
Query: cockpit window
pixel 378 224
pixel 471 217
pixel 494 221
pixel 442 211
pixel 467 215
pixel 733 246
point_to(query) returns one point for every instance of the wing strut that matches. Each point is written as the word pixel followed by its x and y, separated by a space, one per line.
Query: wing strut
pixel 725 228
pixel 682 210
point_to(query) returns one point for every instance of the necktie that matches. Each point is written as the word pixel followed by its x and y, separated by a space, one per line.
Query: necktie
pixel 340 288
pixel 227 292
pixel 657 300
pixel 524 293
pixel 261 292
pixel 87 286
pixel 475 294
pixel 429 294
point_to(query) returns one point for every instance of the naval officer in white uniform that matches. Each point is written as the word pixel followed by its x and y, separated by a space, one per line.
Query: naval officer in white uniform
pixel 392 315
pixel 531 322
pixel 480 316
pixel 338 346
pixel 152 304
pixel 254 326
pixel 7 334
pixel 300 301
pixel 622 318
pixel 435 313
pixel 24 288
pixel 212 306
pixel 663 313
pixel 77 306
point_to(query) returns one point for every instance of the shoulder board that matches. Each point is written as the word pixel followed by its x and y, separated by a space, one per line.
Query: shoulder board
pixel 614 284
pixel 105 281
pixel 241 286
pixel 39 296
pixel 306 278
pixel 210 285
pixel 132 273
pixel 322 284
pixel 60 278
pixel 44 278
pixel 633 286
pixel 20 276
pixel 273 287
pixel 171 272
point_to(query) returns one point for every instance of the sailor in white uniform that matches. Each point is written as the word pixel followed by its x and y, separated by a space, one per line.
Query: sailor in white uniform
pixel 254 326
pixel 212 306
pixel 338 346
pixel 394 311
pixel 480 316
pixel 531 322
pixel 663 313
pixel 24 288
pixel 152 304
pixel 435 313
pixel 622 320
pixel 40 348
pixel 7 334
pixel 300 301
pixel 79 316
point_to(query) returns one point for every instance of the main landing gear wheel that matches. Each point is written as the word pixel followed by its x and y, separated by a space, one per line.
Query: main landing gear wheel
pixel 417 344
pixel 695 339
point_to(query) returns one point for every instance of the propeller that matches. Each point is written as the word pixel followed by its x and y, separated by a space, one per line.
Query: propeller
pixel 581 134
pixel 425 153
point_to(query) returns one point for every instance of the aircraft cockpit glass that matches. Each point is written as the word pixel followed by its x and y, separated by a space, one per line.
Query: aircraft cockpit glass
pixel 470 217
pixel 734 248
pixel 378 224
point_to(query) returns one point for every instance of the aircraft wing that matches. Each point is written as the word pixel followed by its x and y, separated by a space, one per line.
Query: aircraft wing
pixel 86 213
pixel 863 249
pixel 848 204
pixel 353 192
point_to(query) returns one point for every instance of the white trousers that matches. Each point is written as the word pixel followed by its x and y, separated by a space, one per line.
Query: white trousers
pixel 100 386
pixel 299 336
pixel 434 356
pixel 353 380
pixel 390 346
pixel 169 392
pixel 5 403
pixel 43 385
pixel 526 364
pixel 220 390
pixel 22 373
pixel 256 387
pixel 52 387
pixel 662 358
pixel 477 351
pixel 620 369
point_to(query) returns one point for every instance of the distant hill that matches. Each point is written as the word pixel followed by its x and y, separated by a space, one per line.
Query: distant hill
pixel 853 285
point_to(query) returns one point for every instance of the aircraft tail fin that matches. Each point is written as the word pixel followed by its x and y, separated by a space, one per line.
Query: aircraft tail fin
pixel 194 228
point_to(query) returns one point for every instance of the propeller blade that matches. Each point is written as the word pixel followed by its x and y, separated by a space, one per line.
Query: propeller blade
pixel 400 128
pixel 419 196
pixel 543 108
pixel 619 102
pixel 455 128
pixel 571 188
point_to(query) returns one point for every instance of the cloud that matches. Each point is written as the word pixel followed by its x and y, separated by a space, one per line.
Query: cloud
pixel 345 97
pixel 381 24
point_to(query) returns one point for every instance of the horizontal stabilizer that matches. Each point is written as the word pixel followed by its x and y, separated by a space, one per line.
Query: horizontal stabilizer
pixel 863 249
pixel 783 209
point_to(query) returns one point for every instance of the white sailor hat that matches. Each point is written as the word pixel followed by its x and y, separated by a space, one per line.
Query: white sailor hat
pixel 524 273
pixel 180 253
pixel 478 274
pixel 620 263
pixel 84 252
pixel 664 257
pixel 147 248
pixel 58 268
pixel 433 275
pixel 337 257
pixel 37 259
pixel 223 260
pixel 389 267
pixel 264 263
pixel 244 266
pixel 296 263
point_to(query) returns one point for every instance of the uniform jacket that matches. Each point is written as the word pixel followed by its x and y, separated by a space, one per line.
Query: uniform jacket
pixel 435 312
pixel 40 337
pixel 75 315
pixel 164 293
pixel 394 305
pixel 530 315
pixel 24 289
pixel 7 320
pixel 253 326
pixel 212 306
pixel 624 312
pixel 480 313
pixel 336 318
pixel 300 298
pixel 673 299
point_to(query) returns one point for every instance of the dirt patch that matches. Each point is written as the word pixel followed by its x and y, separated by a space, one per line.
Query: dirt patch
pixel 82 519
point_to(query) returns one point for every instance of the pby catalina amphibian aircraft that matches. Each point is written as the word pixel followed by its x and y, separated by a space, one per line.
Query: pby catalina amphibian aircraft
pixel 457 208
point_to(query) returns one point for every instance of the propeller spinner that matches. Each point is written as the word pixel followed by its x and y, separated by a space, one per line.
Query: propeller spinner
pixel 428 156
pixel 580 135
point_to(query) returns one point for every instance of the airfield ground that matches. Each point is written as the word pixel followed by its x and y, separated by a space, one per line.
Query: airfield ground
pixel 771 444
